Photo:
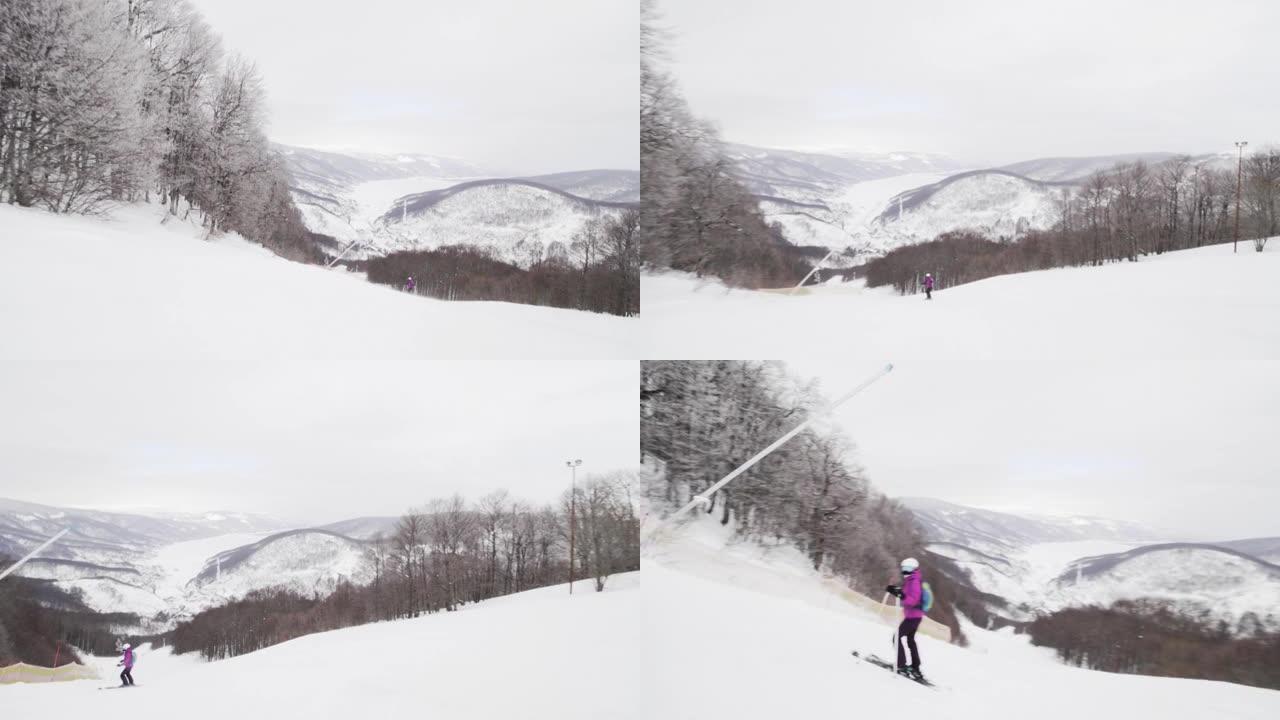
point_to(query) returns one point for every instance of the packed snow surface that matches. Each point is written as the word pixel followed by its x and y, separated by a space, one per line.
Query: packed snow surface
pixel 225 296
pixel 538 654
pixel 1073 384
pixel 749 634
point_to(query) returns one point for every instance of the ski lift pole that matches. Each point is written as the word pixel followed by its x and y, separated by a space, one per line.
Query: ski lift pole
pixel 811 272
pixel 33 553
pixel 705 496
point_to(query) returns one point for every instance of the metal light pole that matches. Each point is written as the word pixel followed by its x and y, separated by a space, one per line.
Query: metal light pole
pixel 1239 181
pixel 573 513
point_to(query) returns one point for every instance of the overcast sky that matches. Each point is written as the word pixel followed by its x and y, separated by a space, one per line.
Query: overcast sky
pixel 308 445
pixel 1020 436
pixel 986 81
pixel 511 85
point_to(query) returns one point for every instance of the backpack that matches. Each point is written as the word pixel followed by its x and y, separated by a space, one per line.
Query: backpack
pixel 926 597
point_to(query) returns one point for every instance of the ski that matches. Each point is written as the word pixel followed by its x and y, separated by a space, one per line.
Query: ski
pixel 891 667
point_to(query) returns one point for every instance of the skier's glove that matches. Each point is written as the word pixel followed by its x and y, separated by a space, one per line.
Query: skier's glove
pixel 893 590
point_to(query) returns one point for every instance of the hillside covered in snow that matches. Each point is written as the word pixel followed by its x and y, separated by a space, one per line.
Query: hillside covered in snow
pixel 373 205
pixel 867 204
pixel 545 645
pixel 1038 565
pixel 239 296
pixel 977 367
pixel 517 221
pixel 164 567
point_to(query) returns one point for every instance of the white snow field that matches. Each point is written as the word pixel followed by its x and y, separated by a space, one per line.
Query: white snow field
pixel 538 654
pixel 226 295
pixel 1068 382
pixel 740 633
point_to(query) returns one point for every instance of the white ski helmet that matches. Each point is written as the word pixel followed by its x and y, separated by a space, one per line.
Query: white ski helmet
pixel 127 646
pixel 910 565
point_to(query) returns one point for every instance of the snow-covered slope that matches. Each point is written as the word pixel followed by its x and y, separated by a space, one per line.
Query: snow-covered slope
pixel 160 566
pixel 1195 580
pixel 538 654
pixel 978 368
pixel 517 221
pixel 750 635
pixel 873 203
pixel 162 291
pixel 1040 564
pixel 384 204
pixel 992 203
pixel 308 562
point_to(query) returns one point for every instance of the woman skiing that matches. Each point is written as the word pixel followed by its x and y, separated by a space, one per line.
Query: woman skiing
pixel 912 613
pixel 126 675
pixel 928 286
pixel 410 285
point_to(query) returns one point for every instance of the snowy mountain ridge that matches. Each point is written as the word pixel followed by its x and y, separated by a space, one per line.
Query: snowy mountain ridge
pixel 944 521
pixel 152 565
pixel 1040 564
pixel 517 221
pixel 871 203
pixel 377 205
pixel 102 538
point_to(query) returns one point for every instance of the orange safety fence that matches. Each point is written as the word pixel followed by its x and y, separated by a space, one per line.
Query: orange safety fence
pixel 24 673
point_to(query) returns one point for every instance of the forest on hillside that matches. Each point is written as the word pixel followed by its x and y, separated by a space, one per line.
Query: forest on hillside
pixel 695 216
pixel 1146 638
pixel 107 101
pixel 701 419
pixel 1126 212
pixel 440 557
pixel 598 272
pixel 43 624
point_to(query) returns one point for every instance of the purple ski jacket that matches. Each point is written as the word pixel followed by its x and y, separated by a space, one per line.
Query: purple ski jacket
pixel 912 596
pixel 128 658
pixel 928 281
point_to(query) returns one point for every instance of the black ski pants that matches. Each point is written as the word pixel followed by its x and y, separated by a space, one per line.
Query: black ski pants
pixel 126 676
pixel 907 635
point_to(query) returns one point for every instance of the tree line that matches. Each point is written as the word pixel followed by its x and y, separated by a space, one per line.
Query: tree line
pixel 695 216
pixel 41 623
pixel 700 420
pixel 1123 213
pixel 438 558
pixel 599 271
pixel 106 101
pixel 1146 638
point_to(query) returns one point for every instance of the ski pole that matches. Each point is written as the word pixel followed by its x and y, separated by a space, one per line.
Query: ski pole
pixel 705 496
